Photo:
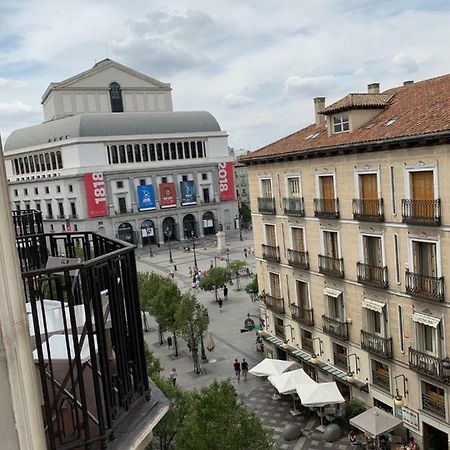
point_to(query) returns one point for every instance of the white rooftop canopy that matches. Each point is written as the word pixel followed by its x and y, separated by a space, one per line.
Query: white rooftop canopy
pixel 289 382
pixel 320 394
pixel 269 366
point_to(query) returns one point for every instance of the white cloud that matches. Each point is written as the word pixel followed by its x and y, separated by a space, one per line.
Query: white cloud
pixel 16 107
pixel 235 101
pixel 309 85
pixel 402 63
pixel 10 83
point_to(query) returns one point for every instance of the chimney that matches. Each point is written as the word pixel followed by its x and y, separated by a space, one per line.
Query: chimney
pixel 373 88
pixel 407 83
pixel 319 105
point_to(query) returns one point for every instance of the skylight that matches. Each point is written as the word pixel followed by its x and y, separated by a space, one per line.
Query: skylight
pixel 390 121
pixel 312 136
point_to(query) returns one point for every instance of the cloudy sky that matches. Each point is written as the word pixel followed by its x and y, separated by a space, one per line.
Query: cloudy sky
pixel 254 64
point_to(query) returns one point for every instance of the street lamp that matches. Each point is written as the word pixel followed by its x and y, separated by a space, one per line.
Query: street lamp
pixel 315 356
pixel 168 233
pixel 398 399
pixel 350 372
pixel 238 218
pixel 150 245
pixel 193 247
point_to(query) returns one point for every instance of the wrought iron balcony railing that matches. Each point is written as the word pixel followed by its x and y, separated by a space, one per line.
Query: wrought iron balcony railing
pixel 335 328
pixel 307 345
pixel 279 332
pixel 302 315
pixel 326 208
pixel 429 365
pixel 381 379
pixel 374 276
pixel 375 344
pixel 274 303
pixel 421 212
pixel 298 259
pixel 266 205
pixel 423 286
pixel 340 360
pixel 368 210
pixel 27 222
pixel 271 253
pixel 294 206
pixel 435 404
pixel 328 265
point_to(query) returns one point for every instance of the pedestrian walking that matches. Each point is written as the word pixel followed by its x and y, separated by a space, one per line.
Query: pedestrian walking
pixel 173 376
pixel 190 271
pixel 225 293
pixel 172 274
pixel 252 252
pixel 211 265
pixel 244 369
pixel 245 252
pixel 220 302
pixel 237 369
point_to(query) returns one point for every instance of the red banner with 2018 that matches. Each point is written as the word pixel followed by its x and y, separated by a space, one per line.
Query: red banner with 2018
pixel 226 181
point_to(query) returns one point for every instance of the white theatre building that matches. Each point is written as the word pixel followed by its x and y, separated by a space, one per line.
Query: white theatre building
pixel 113 157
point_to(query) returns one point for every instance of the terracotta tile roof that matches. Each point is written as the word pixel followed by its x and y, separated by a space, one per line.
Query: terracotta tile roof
pixel 418 109
pixel 359 101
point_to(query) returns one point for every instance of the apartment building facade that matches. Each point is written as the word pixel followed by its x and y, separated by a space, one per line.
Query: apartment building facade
pixel 351 220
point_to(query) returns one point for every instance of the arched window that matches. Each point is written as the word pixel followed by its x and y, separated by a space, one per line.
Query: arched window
pixel 115 95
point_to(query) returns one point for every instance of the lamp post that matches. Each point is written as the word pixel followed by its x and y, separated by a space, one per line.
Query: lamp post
pixel 150 245
pixel 350 372
pixel 168 233
pixel 240 227
pixel 398 399
pixel 193 247
pixel 315 356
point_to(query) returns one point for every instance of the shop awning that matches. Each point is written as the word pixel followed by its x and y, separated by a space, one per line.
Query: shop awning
pixel 425 319
pixel 375 422
pixel 332 292
pixel 373 305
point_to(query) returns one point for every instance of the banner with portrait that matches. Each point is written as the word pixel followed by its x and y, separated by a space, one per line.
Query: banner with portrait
pixel 188 193
pixel 146 197
pixel 167 195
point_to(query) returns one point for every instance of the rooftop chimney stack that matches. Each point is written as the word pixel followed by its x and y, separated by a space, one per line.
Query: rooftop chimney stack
pixel 407 83
pixel 319 105
pixel 373 88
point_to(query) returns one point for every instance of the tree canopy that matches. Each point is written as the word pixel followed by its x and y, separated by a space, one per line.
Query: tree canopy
pixel 215 279
pixel 245 213
pixel 235 267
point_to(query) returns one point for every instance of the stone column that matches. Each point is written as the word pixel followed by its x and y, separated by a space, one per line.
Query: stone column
pixel 20 413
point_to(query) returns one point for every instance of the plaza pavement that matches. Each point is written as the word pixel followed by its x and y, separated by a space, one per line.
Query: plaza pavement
pixel 230 343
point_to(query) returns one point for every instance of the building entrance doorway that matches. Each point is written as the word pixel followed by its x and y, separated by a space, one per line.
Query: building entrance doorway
pixel 148 232
pixel 209 225
pixel 434 439
pixel 169 228
pixel 125 232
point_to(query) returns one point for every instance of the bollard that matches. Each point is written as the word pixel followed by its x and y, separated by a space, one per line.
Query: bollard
pixel 175 267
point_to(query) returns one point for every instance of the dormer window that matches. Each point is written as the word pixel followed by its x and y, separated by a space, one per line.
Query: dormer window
pixel 340 123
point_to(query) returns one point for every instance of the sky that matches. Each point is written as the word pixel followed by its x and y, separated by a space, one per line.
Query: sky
pixel 256 65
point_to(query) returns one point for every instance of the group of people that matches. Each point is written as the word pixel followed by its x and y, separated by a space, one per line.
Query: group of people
pixel 383 442
pixel 240 367
pixel 249 252
pixel 196 275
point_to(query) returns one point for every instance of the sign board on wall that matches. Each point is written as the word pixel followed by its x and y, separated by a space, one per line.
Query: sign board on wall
pixel 226 181
pixel 167 195
pixel 146 197
pixel 188 193
pixel 410 417
pixel 94 185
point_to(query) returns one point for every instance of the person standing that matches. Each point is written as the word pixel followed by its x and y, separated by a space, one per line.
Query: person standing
pixel 225 293
pixel 244 368
pixel 220 302
pixel 173 376
pixel 237 369
pixel 245 252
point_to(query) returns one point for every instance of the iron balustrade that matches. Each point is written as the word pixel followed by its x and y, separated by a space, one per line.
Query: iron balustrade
pixel 381 379
pixel 374 276
pixel 294 206
pixel 334 327
pixel 378 345
pixel 340 360
pixel 102 378
pixel 368 210
pixel 307 345
pixel 421 212
pixel 329 265
pixel 279 331
pixel 274 303
pixel 298 259
pixel 424 286
pixel 326 208
pixel 302 315
pixel 27 222
pixel 266 205
pixel 434 404
pixel 429 365
pixel 271 253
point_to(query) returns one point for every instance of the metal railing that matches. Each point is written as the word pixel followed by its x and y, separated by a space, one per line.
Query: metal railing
pixel 327 208
pixel 27 222
pixel 424 286
pixel 421 212
pixel 274 303
pixel 340 360
pixel 271 253
pixel 335 328
pixel 368 210
pixel 376 344
pixel 302 315
pixel 381 379
pixel 374 276
pixel 279 332
pixel 307 345
pixel 298 259
pixel 266 205
pixel 294 206
pixel 434 404
pixel 328 265
pixel 428 365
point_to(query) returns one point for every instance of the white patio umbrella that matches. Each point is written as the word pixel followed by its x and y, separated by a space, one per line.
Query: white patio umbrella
pixel 269 366
pixel 289 382
pixel 375 422
pixel 320 394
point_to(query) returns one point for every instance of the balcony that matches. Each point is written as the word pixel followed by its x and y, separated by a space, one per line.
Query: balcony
pixel 266 205
pixel 294 206
pixel 426 287
pixel 86 331
pixel 377 345
pixel 334 267
pixel 368 210
pixel 279 332
pixel 302 315
pixel 271 253
pixel 374 276
pixel 381 379
pixel 434 404
pixel 335 328
pixel 429 365
pixel 340 361
pixel 274 303
pixel 27 222
pixel 421 212
pixel 307 345
pixel 326 208
pixel 298 259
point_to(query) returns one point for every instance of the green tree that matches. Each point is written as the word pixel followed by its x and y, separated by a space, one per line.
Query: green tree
pixel 215 279
pixel 235 267
pixel 154 367
pixel 245 213
pixel 252 287
pixel 192 321
pixel 217 421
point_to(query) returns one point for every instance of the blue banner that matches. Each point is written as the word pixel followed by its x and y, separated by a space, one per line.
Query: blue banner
pixel 188 193
pixel 146 197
